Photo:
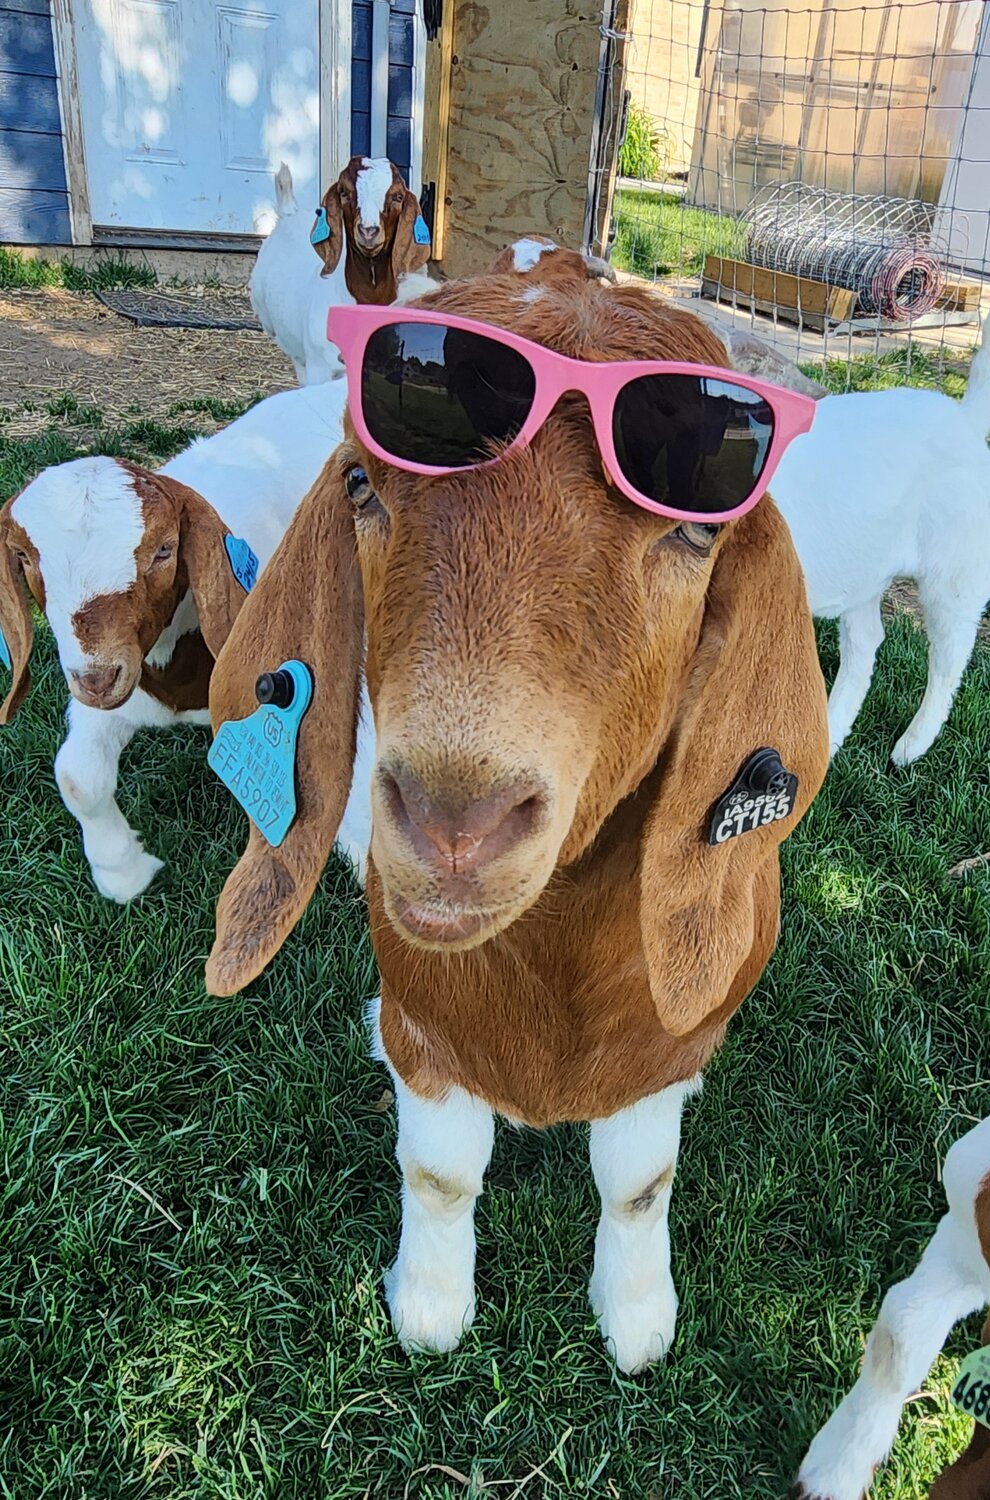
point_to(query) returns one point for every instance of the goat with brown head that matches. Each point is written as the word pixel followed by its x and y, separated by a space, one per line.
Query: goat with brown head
pixel 563 685
pixel 130 568
pixel 375 222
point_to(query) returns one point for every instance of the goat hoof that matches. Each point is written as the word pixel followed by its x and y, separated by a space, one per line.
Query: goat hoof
pixel 906 751
pixel 637 1333
pixel 426 1316
pixel 123 883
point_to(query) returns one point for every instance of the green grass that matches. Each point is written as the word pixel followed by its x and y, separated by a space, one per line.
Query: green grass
pixel 102 275
pixel 199 1195
pixel 910 365
pixel 658 234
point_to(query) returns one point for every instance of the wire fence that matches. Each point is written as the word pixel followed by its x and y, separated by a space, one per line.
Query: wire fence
pixel 817 171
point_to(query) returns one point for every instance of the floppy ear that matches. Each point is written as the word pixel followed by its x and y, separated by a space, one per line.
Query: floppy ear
pixel 329 249
pixel 407 255
pixel 709 912
pixel 307 606
pixel 203 553
pixel 17 627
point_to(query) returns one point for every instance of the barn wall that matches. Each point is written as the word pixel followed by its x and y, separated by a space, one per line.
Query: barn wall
pixel 34 199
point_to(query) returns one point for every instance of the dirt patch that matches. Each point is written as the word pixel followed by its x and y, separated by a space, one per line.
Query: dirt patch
pixel 54 341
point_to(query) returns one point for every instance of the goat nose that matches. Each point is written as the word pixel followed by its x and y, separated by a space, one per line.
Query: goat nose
pixel 368 231
pixel 456 836
pixel 98 681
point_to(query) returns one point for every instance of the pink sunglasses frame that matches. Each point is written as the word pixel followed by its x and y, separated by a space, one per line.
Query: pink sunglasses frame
pixel 599 382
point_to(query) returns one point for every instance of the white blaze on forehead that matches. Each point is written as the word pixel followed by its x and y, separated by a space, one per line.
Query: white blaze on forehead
pixel 373 183
pixel 86 522
pixel 525 253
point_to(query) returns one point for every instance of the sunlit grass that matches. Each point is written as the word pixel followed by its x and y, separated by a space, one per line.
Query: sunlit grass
pixel 199 1195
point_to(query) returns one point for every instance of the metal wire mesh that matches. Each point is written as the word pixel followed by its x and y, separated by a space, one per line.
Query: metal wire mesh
pixel 882 248
pixel 843 142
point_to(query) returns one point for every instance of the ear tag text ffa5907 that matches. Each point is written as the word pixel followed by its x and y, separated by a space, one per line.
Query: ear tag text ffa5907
pixel 243 562
pixel 763 793
pixel 321 229
pixel 971 1392
pixel 5 654
pixel 255 757
pixel 420 232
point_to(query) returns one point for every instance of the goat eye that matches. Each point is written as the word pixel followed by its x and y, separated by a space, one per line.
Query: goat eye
pixel 358 487
pixel 698 535
pixel 164 553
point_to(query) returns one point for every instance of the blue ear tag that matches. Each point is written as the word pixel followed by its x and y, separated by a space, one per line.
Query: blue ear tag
pixel 5 654
pixel 420 232
pixel 321 229
pixel 243 562
pixel 255 757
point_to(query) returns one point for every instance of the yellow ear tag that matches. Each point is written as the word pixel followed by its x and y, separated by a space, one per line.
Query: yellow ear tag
pixel 971 1392
pixel 255 757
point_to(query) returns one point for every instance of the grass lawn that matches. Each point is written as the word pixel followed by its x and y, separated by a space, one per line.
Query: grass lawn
pixel 658 234
pixel 198 1195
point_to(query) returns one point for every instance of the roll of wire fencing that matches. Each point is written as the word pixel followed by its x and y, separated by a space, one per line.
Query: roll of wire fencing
pixel 882 248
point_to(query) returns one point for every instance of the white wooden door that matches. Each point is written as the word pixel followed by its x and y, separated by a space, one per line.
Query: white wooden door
pixel 188 106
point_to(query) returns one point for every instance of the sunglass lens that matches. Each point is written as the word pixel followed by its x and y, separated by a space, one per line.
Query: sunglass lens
pixel 692 442
pixel 440 396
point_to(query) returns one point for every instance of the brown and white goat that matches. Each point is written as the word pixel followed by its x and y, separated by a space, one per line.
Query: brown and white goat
pixel 131 569
pixel 951 1281
pixel 371 217
pixel 563 685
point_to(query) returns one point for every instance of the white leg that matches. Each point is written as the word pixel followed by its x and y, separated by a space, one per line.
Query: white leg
pixel 443 1150
pixel 914 1321
pixel 86 772
pixel 951 628
pixel 633 1158
pixel 860 635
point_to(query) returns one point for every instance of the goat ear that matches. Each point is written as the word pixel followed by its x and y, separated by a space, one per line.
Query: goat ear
pixel 311 613
pixel 203 552
pixel 410 253
pixel 330 246
pixel 17 627
pixel 708 913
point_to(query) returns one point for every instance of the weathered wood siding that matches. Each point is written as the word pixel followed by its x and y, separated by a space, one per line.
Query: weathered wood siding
pixel 34 200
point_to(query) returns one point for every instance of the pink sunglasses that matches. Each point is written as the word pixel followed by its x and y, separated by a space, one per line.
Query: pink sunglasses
pixel 433 394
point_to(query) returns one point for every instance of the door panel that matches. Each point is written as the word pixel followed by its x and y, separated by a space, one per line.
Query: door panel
pixel 188 107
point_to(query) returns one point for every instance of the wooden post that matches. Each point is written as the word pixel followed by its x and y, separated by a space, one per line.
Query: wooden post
pixel 510 121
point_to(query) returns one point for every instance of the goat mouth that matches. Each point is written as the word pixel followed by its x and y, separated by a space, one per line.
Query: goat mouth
pixel 442 927
pixel 105 701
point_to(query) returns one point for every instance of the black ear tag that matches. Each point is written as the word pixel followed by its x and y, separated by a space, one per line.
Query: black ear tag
pixel 764 792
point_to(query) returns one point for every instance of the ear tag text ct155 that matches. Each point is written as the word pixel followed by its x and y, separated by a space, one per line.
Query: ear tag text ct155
pixel 763 793
pixel 243 562
pixel 321 229
pixel 255 758
pixel 5 654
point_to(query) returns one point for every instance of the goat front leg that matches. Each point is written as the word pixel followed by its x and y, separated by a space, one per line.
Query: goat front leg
pixel 633 1158
pixel 915 1319
pixel 443 1149
pixel 86 771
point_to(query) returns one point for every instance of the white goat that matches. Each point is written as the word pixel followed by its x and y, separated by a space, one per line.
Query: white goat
pixel 952 1279
pixel 132 571
pixel 371 232
pixel 889 484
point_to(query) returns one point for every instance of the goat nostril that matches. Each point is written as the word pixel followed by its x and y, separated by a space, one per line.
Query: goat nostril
pixel 467 835
pixel 99 681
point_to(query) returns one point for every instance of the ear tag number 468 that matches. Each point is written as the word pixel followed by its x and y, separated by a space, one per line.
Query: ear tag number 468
pixel 971 1392
pixel 255 757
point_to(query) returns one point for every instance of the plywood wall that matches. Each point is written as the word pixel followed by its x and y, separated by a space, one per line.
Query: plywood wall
pixel 510 111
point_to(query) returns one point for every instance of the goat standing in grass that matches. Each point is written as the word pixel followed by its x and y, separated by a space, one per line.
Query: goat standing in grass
pixel 566 680
pixel 952 1280
pixel 132 570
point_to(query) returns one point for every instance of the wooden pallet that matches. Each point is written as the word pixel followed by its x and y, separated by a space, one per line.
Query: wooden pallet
pixel 812 304
pixel 960 296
